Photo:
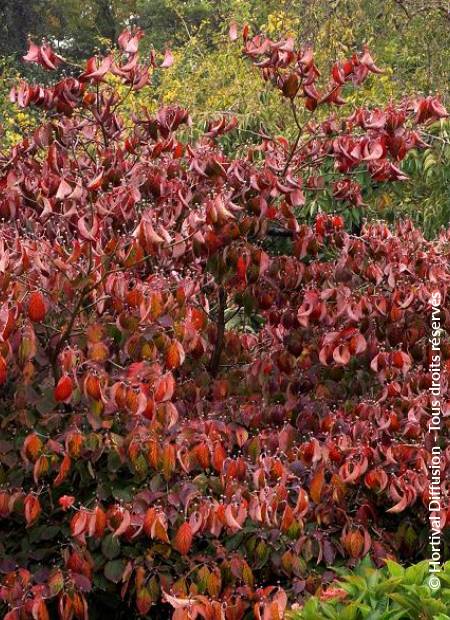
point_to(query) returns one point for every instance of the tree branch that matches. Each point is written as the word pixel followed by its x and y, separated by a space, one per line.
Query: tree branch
pixel 215 358
pixel 280 232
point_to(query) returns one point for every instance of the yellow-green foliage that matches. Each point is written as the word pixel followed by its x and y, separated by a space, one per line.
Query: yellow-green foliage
pixel 409 40
pixel 425 197
pixel 211 76
pixel 389 593
pixel 217 81
pixel 13 121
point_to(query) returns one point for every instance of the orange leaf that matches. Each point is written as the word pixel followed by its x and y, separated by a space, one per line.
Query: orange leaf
pixel 175 355
pixel 40 468
pixel 124 525
pixel 287 519
pixel 218 457
pixel 100 522
pixel 302 505
pixel 32 446
pixel 32 509
pixel 63 470
pixel 149 519
pixel 316 487
pixel 159 530
pixel 78 523
pixel 183 539
pixel 3 372
pixel 168 461
pixel 164 388
pixel 39 610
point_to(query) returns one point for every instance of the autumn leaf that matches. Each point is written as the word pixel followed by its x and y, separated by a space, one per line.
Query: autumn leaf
pixel 32 446
pixel 175 355
pixel 317 485
pixel 32 509
pixel 64 470
pixel 63 389
pixel 182 540
pixel 168 60
pixel 66 501
pixel 36 307
pixel 232 31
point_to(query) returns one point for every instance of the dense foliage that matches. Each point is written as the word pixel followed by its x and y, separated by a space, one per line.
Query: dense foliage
pixel 410 39
pixel 196 416
pixel 390 593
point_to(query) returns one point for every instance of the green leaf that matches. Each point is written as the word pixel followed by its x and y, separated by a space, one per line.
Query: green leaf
pixel 310 611
pixel 395 569
pixel 351 612
pixel 416 574
pixel 233 542
pixel 357 581
pixel 100 582
pixel 114 333
pixel 114 570
pixel 46 402
pixel 400 599
pixel 122 493
pixel 50 532
pixel 114 461
pixel 110 546
pixel 389 584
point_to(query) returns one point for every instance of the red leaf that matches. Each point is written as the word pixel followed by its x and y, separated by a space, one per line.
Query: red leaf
pixel 124 525
pixel 341 354
pixel 129 41
pixel 168 60
pixel 39 610
pixel 231 520
pixel 78 523
pixel 66 501
pixel 64 190
pixel 43 56
pixel 96 71
pixel 36 307
pixel 401 505
pixel 91 234
pixel 241 268
pixel 233 31
pixel 63 389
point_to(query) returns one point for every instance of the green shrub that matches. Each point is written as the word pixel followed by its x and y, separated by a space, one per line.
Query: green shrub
pixel 389 593
pixel 425 196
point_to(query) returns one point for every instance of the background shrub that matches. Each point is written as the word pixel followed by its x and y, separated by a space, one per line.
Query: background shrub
pixel 207 403
pixel 388 593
